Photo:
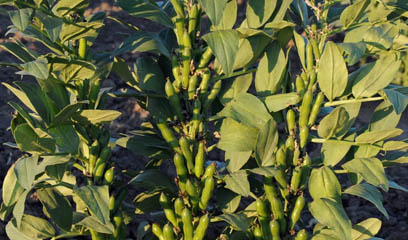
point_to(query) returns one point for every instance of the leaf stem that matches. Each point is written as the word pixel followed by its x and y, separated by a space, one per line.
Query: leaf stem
pixel 234 74
pixel 322 140
pixel 341 171
pixel 341 102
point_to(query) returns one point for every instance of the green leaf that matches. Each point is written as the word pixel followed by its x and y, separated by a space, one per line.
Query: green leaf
pixel 89 30
pixel 266 143
pixel 224 44
pixel 238 183
pixel 57 206
pixel 366 229
pixel 96 199
pixel 334 152
pixel 142 42
pixel 214 9
pixel 19 51
pixel 65 7
pixel 395 145
pixel 66 138
pixel 258 12
pixel 227 200
pixel 22 96
pixel 250 48
pixel 18 210
pixel 399 100
pixel 13 233
pixel 27 140
pixel 233 87
pixel 271 70
pixel 67 112
pixel 70 70
pixel 229 17
pixel 21 18
pixel 11 189
pixel 377 136
pixel 332 214
pixel 375 76
pixel 146 203
pixel 248 110
pixel 150 76
pixel 121 68
pixel 353 13
pixel 278 102
pixel 52 25
pixel 96 116
pixel 301 43
pixel 236 160
pixel 92 222
pixel 334 124
pixel 143 143
pixel 323 183
pixel 371 169
pixel 26 170
pixel 153 180
pixel 384 117
pixel 281 9
pixel 238 221
pixel 237 137
pixel 354 51
pixel 369 193
pixel 395 185
pixel 145 9
pixel 332 72
pixel 36 227
pixel 56 90
pixel 265 171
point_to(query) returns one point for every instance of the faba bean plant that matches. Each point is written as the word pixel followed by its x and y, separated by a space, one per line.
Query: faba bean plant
pixel 252 119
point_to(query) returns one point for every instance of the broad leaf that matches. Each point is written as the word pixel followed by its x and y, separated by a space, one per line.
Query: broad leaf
pixel 96 199
pixel 65 7
pixel 332 72
pixel 229 17
pixel 26 170
pixel 21 18
pixel 238 221
pixel 92 222
pixel 36 227
pixel 399 100
pixel 142 42
pixel 369 193
pixel 237 137
pixel 266 143
pixel 323 183
pixel 265 171
pixel 214 9
pixel 238 183
pixel 150 76
pixel 334 124
pixel 377 136
pixel 366 229
pixel 224 44
pixel 227 200
pixel 334 152
pixel 278 102
pixel 259 11
pixel 236 160
pixel 353 13
pixel 11 190
pixel 384 117
pixel 153 180
pixel 371 169
pixel 233 87
pixel 98 116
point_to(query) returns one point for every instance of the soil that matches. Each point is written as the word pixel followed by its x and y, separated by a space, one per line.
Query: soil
pixel 395 201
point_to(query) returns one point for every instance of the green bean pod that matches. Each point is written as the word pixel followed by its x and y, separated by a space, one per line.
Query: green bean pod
pixel 119 199
pixel 275 229
pixel 168 232
pixel 305 108
pixel 196 118
pixel 82 48
pixel 205 58
pixel 205 80
pixel 168 135
pixel 300 85
pixel 192 21
pixel 213 94
pixel 188 229
pixel 309 57
pixel 296 155
pixel 316 50
pixel 157 230
pixel 179 30
pixel 93 156
pixel 291 120
pixel 297 211
pixel 276 203
pixel 316 108
pixel 188 155
pixel 199 160
pixel 312 80
pixel 192 193
pixel 207 192
pixel 168 210
pixel 176 72
pixel 101 163
pixel 178 209
pixel 109 176
pixel 257 233
pixel 307 162
pixel 111 204
pixel 118 221
pixel 192 86
pixel 173 100
pixel 281 157
pixel 178 8
pixel 209 171
pixel 301 235
pixel 185 72
pixel 280 178
pixel 296 178
pixel 202 227
pixel 303 135
pixel 181 170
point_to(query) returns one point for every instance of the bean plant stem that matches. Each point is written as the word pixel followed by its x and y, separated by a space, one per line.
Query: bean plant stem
pixel 322 140
pixel 341 102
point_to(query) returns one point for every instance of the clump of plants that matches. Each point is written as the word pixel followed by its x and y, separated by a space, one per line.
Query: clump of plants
pixel 213 83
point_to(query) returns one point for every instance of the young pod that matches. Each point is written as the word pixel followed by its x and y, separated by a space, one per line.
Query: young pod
pixel 315 47
pixel 206 194
pixel 202 227
pixel 275 202
pixel 199 160
pixel 291 121
pixel 185 72
pixel 205 80
pixel 178 209
pixel 101 163
pixel 266 229
pixel 300 85
pixel 173 100
pixel 280 178
pixel 295 180
pixel 309 57
pixel 281 157
pixel 275 229
pixel 312 80
pixel 109 176
pixel 316 108
pixel 168 210
pixel 205 58
pixel 181 170
pixel 257 232
pixel 303 135
pixel 93 156
pixel 209 171
pixel 157 230
pixel 196 118
pixel 213 94
pixel 176 72
pixel 168 232
pixel 301 235
pixel 117 221
pixel 192 21
pixel 305 171
pixel 168 135
pixel 187 220
pixel 305 108
pixel 192 86
pixel 82 48
pixel 188 155
pixel 297 211
pixel 192 193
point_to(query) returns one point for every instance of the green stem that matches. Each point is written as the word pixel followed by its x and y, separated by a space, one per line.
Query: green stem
pixel 322 140
pixel 341 171
pixel 234 74
pixel 341 102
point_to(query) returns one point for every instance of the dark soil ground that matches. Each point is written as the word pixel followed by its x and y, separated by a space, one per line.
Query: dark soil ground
pixel 396 202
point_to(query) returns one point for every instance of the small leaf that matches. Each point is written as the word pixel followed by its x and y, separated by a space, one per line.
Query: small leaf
pixel 224 44
pixel 366 229
pixel 229 17
pixel 11 190
pixel 399 100
pixel 323 183
pixel 332 214
pixel 92 222
pixel 21 18
pixel 334 152
pixel 96 116
pixel 278 102
pixel 369 193
pixel 371 169
pixel 353 13
pixel 238 221
pixel 238 183
pixel 26 170
pixel 377 136
pixel 334 124
pixel 384 117
pixel 13 233
pixel 332 72
pixel 354 51
pixel 227 200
